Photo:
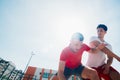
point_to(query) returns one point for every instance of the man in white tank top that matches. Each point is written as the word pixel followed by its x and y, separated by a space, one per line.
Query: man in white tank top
pixel 100 61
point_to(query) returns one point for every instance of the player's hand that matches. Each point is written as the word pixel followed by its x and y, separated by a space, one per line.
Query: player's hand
pixel 101 46
pixel 106 69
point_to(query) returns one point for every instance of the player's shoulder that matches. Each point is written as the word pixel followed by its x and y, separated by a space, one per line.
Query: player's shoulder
pixel 108 45
pixel 84 44
pixel 66 49
pixel 65 52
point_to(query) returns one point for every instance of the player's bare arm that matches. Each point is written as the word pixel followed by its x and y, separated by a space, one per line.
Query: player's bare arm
pixel 61 70
pixel 105 50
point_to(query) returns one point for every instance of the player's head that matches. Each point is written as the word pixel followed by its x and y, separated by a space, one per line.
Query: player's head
pixel 104 27
pixel 76 41
pixel 77 36
pixel 101 30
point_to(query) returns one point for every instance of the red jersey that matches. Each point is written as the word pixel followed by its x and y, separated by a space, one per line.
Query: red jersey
pixel 73 59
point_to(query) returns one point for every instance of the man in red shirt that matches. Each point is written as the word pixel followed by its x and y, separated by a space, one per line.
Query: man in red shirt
pixel 70 59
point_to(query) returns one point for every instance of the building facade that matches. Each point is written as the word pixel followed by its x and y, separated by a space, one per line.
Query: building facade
pixel 34 73
pixel 8 71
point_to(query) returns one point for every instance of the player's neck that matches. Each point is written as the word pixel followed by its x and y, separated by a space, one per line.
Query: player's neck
pixel 101 38
pixel 71 49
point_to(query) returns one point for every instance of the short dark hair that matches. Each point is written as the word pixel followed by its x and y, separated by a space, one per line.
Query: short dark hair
pixel 78 36
pixel 102 26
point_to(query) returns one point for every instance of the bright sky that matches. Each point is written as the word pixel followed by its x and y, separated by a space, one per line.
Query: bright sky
pixel 44 27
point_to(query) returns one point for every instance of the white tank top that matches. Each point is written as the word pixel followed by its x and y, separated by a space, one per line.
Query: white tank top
pixel 97 59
